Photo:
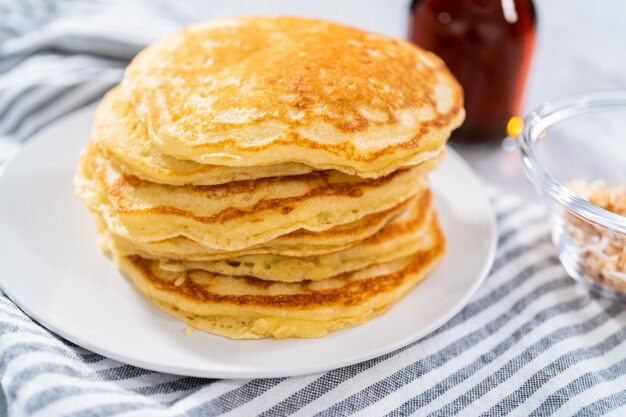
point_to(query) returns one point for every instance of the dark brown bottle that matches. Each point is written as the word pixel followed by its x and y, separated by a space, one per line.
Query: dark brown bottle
pixel 488 45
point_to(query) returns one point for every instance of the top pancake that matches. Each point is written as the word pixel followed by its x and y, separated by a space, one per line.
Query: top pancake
pixel 261 91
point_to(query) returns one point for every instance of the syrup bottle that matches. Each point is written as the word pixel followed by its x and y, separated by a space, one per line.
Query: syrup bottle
pixel 488 45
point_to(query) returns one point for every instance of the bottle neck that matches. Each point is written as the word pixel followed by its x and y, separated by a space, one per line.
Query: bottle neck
pixel 509 10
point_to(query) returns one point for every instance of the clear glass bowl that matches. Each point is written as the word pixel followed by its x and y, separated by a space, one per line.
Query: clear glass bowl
pixel 583 139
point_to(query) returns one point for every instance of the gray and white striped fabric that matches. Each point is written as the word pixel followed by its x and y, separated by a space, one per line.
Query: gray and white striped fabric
pixel 530 342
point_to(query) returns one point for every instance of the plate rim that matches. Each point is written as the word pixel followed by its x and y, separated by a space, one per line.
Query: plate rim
pixel 303 369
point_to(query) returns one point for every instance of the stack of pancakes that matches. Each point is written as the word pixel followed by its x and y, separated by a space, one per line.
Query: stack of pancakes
pixel 266 176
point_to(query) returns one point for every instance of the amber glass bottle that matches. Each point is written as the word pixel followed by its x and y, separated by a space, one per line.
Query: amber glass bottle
pixel 488 45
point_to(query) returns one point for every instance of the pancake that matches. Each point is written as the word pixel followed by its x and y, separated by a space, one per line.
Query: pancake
pixel 240 214
pixel 261 91
pixel 400 238
pixel 123 139
pixel 249 308
pixel 298 243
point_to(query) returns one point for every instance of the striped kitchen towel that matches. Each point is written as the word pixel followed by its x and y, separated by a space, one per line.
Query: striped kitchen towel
pixel 530 342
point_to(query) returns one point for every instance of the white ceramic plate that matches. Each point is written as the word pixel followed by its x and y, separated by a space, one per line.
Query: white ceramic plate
pixel 51 267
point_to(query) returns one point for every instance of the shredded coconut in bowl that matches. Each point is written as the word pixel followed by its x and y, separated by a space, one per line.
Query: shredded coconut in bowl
pixel 601 253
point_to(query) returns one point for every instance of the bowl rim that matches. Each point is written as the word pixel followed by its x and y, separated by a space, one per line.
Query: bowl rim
pixel 548 114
